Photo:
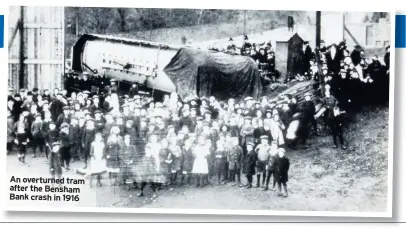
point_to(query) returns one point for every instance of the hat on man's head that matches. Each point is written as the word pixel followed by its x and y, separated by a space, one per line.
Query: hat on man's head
pixel 199 118
pixel 38 115
pixel 29 93
pixel 35 90
pixel 64 125
pixel 66 108
pixel 57 143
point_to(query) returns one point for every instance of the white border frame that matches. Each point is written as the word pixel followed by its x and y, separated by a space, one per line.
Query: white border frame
pixel 191 4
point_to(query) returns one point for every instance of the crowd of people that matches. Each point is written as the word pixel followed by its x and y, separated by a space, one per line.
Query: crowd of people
pixel 200 140
pixel 263 54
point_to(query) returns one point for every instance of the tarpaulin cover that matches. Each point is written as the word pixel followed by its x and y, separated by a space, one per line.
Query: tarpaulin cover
pixel 206 73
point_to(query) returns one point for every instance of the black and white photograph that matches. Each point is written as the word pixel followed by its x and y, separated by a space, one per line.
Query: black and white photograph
pixel 200 110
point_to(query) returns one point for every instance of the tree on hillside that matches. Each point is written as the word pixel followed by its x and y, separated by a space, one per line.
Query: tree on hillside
pixel 122 16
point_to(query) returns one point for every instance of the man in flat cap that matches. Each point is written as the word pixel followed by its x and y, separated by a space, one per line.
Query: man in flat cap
pixel 56 107
pixel 64 117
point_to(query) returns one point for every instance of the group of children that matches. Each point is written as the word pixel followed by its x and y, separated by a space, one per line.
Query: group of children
pixel 158 143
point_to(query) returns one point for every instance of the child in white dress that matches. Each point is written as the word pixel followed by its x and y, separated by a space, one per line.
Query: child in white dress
pixel 200 165
pixel 97 159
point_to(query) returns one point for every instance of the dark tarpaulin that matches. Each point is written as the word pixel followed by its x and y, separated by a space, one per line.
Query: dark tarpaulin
pixel 206 73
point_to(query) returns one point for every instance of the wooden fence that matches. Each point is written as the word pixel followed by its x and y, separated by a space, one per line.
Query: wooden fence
pixel 42 47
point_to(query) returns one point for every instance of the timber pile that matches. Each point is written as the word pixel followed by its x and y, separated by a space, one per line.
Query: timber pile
pixel 298 91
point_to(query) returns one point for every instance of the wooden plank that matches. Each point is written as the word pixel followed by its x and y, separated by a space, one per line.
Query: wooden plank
pixel 13 36
pixel 352 37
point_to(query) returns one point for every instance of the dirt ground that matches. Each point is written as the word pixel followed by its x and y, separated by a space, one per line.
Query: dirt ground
pixel 321 178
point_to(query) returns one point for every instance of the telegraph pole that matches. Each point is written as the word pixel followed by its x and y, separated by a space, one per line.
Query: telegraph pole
pixel 245 22
pixel 318 39
pixel 21 73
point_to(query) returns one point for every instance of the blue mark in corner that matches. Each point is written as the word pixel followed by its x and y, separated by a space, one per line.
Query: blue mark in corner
pixel 400 31
pixel 1 31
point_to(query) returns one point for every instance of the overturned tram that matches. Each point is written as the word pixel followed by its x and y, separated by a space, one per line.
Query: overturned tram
pixel 168 68
pixel 126 60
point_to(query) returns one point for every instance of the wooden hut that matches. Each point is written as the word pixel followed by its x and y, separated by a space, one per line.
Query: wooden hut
pixel 287 56
pixel 36 47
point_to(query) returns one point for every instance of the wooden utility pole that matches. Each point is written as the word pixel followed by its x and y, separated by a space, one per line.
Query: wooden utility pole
pixel 318 39
pixel 245 22
pixel 343 26
pixel 21 72
pixel 77 24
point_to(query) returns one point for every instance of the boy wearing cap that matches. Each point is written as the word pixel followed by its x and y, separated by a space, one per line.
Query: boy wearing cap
pixel 270 167
pixel 21 129
pixel 234 159
pixel 17 107
pixel 309 110
pixel 337 123
pixel 188 160
pixel 51 136
pixel 56 107
pixel 54 161
pixel 220 160
pixel 281 165
pixel 87 139
pixel 263 151
pixel 64 117
pixel 65 145
pixel 250 163
pixel 75 136
pixel 37 132
pixel 247 131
